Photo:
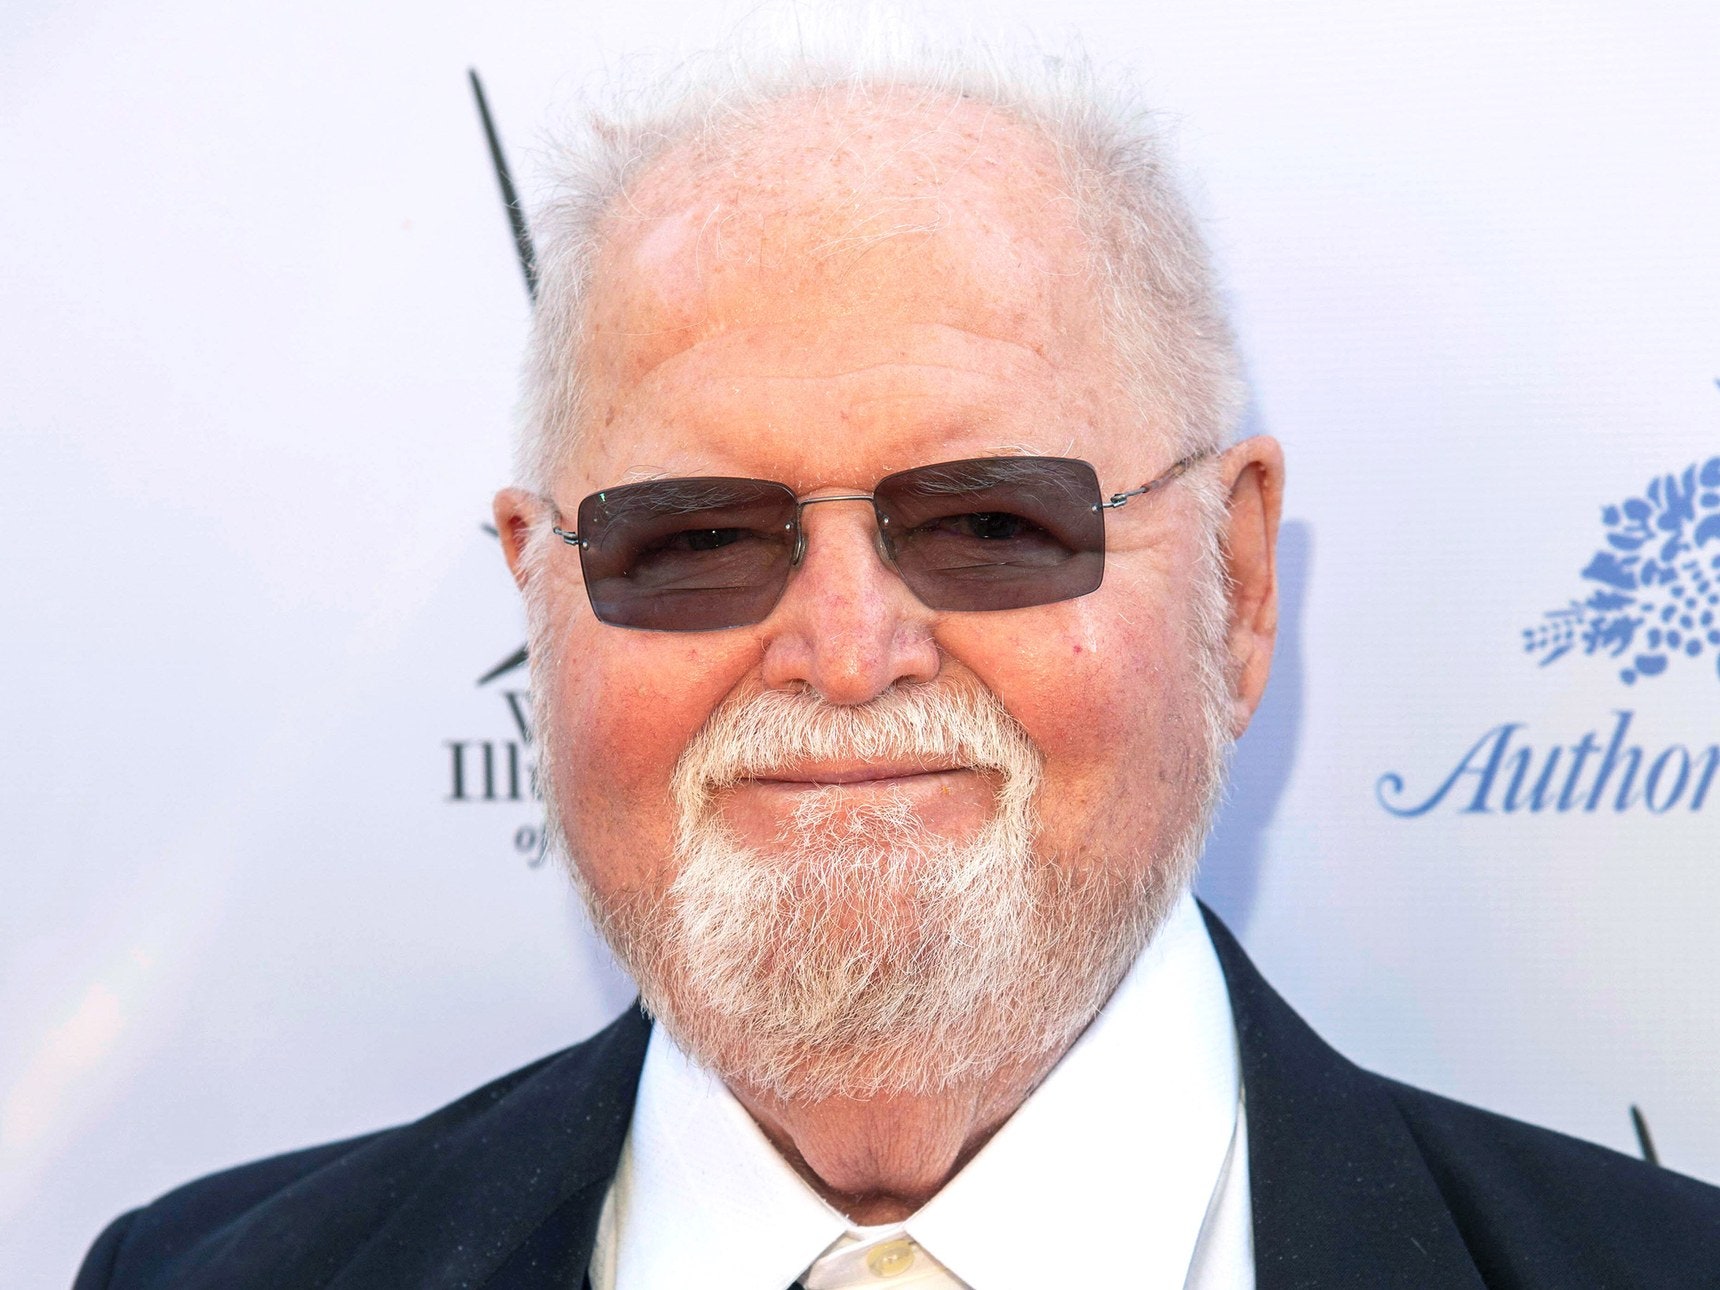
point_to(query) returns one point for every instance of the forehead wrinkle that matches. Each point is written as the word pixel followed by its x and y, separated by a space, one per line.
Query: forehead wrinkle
pixel 900 365
pixel 642 474
pixel 1024 347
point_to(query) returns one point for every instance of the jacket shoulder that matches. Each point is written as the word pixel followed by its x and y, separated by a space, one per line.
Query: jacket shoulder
pixel 177 1220
pixel 343 1188
pixel 1360 1180
pixel 1541 1208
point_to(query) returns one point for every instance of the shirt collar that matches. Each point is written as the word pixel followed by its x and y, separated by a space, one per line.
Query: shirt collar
pixel 701 1197
pixel 1109 1164
pixel 1113 1160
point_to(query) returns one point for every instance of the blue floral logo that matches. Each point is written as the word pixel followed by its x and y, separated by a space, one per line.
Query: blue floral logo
pixel 1658 597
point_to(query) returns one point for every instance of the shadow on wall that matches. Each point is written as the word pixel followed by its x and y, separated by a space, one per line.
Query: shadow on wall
pixel 1230 871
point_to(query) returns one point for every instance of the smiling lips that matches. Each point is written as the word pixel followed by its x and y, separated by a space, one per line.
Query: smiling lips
pixel 866 775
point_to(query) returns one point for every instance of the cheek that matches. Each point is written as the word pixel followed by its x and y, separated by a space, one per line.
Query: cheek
pixel 1098 695
pixel 628 704
pixel 1083 684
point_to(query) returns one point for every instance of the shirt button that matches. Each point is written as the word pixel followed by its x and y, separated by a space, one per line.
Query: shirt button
pixel 891 1259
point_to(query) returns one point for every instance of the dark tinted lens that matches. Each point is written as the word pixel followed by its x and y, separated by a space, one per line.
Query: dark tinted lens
pixel 995 532
pixel 687 555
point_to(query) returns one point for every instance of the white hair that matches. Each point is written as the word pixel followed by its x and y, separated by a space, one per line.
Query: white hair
pixel 1159 298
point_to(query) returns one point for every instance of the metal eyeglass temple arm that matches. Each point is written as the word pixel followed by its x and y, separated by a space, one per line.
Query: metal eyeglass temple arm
pixel 1151 486
pixel 566 535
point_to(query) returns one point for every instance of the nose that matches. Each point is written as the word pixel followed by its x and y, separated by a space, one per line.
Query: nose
pixel 847 626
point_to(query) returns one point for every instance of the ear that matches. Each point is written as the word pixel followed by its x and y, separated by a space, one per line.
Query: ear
pixel 1253 472
pixel 516 510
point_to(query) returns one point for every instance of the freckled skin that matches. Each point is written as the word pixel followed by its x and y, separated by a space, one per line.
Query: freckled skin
pixel 746 323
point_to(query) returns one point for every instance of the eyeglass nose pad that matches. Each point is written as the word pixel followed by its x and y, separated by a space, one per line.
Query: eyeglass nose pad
pixel 885 539
pixel 799 528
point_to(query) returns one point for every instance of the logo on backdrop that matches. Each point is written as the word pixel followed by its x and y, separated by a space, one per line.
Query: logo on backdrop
pixel 500 768
pixel 1651 608
pixel 1656 601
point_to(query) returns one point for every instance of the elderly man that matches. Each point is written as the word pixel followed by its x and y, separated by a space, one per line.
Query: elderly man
pixel 893 602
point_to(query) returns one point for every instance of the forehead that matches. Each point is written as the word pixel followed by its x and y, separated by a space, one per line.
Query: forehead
pixel 892 245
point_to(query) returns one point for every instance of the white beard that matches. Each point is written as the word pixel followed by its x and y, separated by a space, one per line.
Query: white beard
pixel 866 954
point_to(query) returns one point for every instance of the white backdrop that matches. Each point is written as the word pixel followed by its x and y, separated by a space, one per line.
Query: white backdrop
pixel 259 319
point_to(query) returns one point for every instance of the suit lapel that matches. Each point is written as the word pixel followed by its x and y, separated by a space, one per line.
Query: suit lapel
pixel 1341 1193
pixel 510 1199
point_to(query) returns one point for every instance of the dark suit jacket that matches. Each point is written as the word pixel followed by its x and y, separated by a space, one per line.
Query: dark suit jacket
pixel 1357 1182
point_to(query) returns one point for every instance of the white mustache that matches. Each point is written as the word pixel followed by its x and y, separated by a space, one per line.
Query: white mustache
pixel 767 732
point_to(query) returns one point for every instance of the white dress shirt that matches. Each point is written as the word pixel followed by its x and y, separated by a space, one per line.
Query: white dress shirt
pixel 1128 1166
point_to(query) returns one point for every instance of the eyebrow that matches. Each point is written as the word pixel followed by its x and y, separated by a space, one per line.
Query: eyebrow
pixel 669 496
pixel 652 475
pixel 1000 469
